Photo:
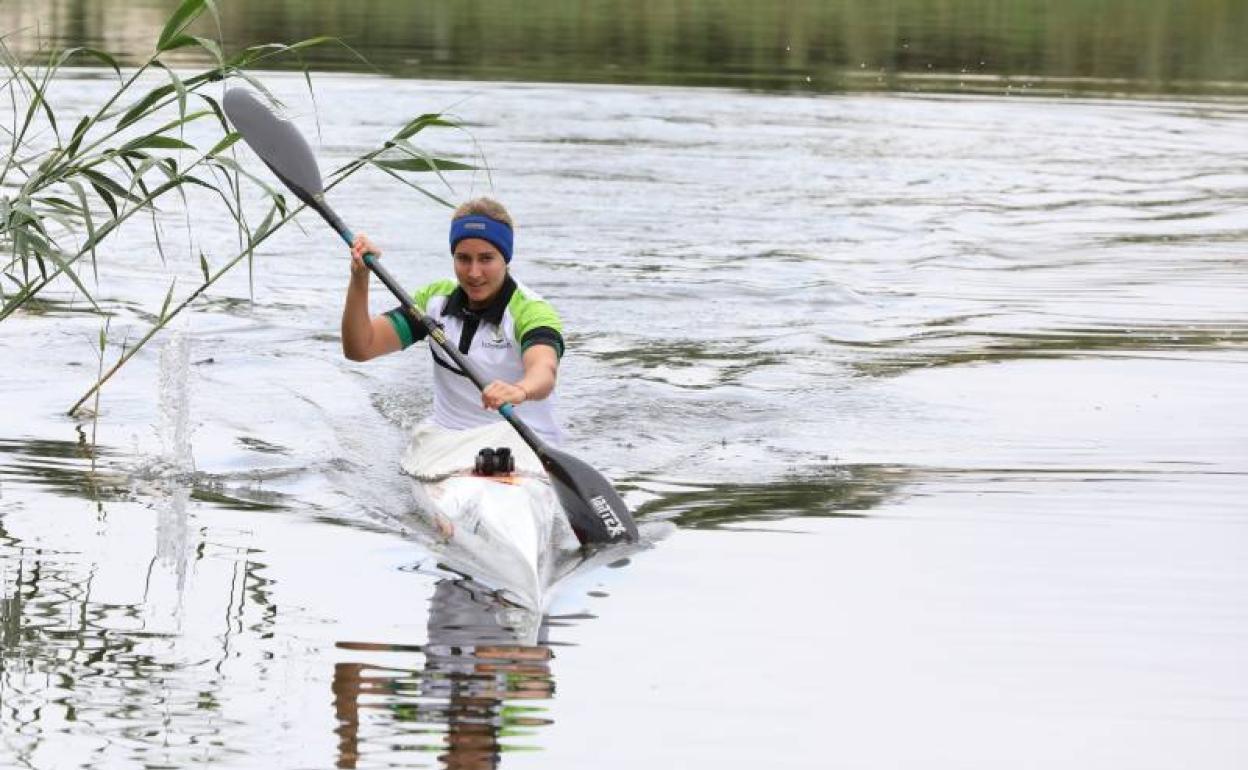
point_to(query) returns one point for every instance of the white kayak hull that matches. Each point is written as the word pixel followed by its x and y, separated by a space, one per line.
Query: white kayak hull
pixel 507 533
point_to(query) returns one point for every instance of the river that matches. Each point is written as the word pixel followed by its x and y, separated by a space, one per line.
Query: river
pixel 930 405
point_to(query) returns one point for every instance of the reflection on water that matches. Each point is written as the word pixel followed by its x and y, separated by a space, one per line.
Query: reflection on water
pixel 846 491
pixel 64 467
pixel 114 656
pixel 101 473
pixel 938 347
pixel 477 694
pixel 998 46
pixel 76 661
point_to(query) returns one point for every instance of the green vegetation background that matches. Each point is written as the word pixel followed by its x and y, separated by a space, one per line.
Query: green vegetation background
pixel 1130 46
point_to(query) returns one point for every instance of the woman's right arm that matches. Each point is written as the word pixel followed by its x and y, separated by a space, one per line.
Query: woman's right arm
pixel 364 337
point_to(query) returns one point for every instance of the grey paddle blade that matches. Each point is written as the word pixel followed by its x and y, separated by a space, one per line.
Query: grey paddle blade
pixel 594 508
pixel 278 143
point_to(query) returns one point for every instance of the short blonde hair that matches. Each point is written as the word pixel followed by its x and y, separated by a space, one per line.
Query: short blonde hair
pixel 484 207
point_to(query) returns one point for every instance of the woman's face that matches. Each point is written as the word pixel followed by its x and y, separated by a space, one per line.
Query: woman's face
pixel 480 270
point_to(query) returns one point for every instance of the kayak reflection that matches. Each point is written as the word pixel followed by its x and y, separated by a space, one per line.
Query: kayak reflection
pixel 485 668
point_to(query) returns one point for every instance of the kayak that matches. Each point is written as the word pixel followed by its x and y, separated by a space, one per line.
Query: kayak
pixel 500 524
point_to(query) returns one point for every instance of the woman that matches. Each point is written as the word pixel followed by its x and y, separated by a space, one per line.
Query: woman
pixel 512 335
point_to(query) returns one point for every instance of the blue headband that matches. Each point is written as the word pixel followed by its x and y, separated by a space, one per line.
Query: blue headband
pixel 485 228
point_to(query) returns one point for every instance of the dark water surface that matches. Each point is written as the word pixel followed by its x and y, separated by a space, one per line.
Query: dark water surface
pixel 989 46
pixel 933 407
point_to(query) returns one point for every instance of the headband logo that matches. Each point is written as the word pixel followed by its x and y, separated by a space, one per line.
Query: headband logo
pixel 474 225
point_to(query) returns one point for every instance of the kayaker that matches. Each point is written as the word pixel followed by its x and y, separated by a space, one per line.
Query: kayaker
pixel 513 335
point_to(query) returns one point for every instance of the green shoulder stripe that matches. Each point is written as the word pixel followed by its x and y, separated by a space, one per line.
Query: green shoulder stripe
pixel 442 288
pixel 530 311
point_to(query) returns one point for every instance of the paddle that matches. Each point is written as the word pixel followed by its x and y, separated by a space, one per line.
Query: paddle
pixel 593 507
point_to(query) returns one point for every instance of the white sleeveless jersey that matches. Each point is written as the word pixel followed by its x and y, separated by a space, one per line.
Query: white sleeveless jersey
pixel 494 340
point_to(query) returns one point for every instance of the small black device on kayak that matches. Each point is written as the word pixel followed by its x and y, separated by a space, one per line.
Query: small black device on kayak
pixel 494 462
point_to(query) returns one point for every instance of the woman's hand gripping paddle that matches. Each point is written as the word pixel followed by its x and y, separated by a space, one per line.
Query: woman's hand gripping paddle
pixel 593 507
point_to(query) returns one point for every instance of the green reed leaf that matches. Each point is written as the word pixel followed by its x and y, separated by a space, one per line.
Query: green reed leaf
pixel 211 5
pixel 140 109
pixel 75 141
pixel 212 47
pixel 226 142
pixel 181 41
pixel 249 54
pixel 178 86
pixel 160 244
pixel 52 213
pixel 216 109
pixel 154 142
pixel 190 117
pixel 37 102
pixel 164 308
pixel 107 197
pixel 32 217
pixel 419 161
pixel 259 87
pixel 263 230
pixel 418 188
pixel 146 163
pixel 107 182
pixel 167 166
pixel 417 165
pixel 421 123
pixel 95 53
pixel 89 221
pixel 230 165
pixel 186 13
pixel 58 203
pixel 312 41
pixel 46 249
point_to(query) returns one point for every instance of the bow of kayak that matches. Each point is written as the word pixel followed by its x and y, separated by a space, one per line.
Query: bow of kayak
pixel 506 531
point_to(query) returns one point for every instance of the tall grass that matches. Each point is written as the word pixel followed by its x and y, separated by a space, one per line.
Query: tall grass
pixel 65 192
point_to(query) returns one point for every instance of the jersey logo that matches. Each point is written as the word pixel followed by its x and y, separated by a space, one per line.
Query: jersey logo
pixel 495 339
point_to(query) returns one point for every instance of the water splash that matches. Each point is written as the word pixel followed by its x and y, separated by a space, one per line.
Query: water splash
pixel 175 466
pixel 174 401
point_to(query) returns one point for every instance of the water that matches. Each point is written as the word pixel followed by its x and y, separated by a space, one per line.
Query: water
pixel 944 395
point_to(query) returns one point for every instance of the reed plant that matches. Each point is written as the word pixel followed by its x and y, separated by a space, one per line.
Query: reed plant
pixel 65 192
